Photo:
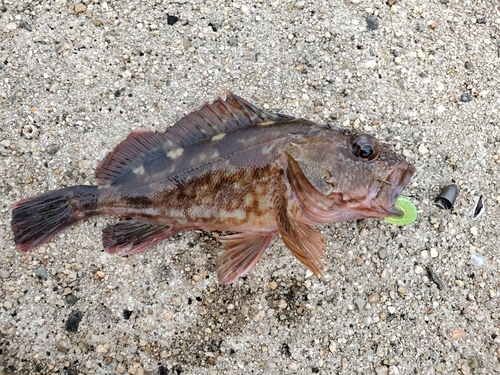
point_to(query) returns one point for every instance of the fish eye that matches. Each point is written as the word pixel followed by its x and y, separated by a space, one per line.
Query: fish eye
pixel 365 147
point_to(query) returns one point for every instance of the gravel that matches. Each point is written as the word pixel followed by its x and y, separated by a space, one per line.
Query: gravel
pixel 77 77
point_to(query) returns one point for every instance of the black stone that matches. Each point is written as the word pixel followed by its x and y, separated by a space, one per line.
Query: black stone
pixel 172 19
pixel 74 321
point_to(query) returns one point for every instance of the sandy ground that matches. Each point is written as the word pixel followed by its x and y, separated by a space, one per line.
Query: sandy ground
pixel 76 78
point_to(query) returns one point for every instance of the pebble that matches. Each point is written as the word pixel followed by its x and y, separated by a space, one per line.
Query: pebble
pixel 458 333
pixel 71 299
pixel 171 20
pixel 421 55
pixel 273 285
pixel 372 23
pixel 74 321
pixel 62 347
pixel 299 4
pixel 402 291
pixel 360 303
pixel 5 274
pixel 259 315
pixel 25 25
pixel 418 270
pixel 120 368
pixel 422 149
pixel 434 252
pixel 371 63
pixel 80 8
pixel 382 253
pixel 7 305
pixel 367 321
pixel 381 370
pixel 473 230
pixel 176 301
pixel 435 278
pixel 373 297
pixel 465 97
pixel 282 304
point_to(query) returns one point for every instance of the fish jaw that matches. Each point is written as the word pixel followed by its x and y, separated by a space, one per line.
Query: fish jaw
pixel 385 193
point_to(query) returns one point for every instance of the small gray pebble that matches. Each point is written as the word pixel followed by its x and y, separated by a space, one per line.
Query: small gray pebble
pixel 382 253
pixel 481 20
pixel 41 272
pixel 468 65
pixel 27 26
pixel 71 299
pixel 435 278
pixel 360 303
pixel 52 149
pixel 372 23
pixel 489 305
pixel 420 27
pixel 465 97
pixel 444 1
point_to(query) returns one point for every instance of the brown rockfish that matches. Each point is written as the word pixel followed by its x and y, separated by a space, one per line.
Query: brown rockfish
pixel 229 167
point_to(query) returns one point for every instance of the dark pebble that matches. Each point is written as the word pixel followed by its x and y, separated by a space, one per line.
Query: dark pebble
pixel 70 371
pixel 73 321
pixel 71 299
pixel 27 26
pixel 468 65
pixel 172 19
pixel 466 97
pixel 480 20
pixel 372 23
pixel 444 1
pixel 435 278
pixel 422 74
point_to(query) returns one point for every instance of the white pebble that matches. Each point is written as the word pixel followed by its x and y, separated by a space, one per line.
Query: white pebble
pixel 473 230
pixel 371 63
pixel 434 252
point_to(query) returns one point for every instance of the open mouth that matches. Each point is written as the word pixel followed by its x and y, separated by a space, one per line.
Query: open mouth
pixel 399 178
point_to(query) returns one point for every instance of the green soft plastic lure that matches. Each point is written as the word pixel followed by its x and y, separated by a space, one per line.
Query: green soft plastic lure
pixel 409 212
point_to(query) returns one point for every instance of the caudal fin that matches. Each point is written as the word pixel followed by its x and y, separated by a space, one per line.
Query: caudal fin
pixel 38 219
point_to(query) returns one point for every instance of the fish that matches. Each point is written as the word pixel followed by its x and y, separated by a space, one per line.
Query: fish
pixel 229 167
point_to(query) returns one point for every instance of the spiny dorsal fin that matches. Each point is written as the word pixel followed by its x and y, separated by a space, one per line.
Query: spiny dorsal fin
pixel 142 146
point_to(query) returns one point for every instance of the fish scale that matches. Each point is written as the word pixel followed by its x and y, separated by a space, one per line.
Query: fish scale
pixel 230 167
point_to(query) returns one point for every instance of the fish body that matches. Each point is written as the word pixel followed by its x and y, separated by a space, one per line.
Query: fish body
pixel 231 167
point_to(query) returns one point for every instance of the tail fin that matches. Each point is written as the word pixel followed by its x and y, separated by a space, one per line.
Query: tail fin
pixel 38 219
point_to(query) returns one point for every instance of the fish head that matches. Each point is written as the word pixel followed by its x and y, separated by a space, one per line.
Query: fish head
pixel 366 178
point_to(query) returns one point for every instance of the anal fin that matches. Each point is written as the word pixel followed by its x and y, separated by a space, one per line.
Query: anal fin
pixel 241 252
pixel 132 236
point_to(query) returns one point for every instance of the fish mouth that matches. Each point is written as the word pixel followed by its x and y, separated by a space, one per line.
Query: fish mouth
pixel 397 180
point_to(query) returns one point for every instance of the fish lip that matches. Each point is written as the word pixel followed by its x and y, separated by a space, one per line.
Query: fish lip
pixel 399 178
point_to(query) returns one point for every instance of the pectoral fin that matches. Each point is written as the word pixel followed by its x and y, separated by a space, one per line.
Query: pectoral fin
pixel 241 252
pixel 305 242
pixel 132 236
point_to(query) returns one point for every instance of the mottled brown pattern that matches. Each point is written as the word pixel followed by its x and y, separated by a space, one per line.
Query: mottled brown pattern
pixel 228 166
